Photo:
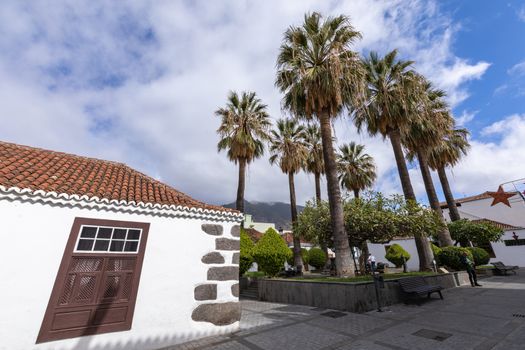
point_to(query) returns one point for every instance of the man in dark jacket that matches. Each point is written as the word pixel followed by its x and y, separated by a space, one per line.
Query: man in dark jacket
pixel 471 269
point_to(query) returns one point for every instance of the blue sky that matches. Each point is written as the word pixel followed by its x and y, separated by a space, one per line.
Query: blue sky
pixel 138 82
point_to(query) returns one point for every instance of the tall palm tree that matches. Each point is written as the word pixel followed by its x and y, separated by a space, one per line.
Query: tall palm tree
pixel 391 85
pixel 422 135
pixel 244 128
pixel 314 162
pixel 320 75
pixel 289 152
pixel 448 153
pixel 357 170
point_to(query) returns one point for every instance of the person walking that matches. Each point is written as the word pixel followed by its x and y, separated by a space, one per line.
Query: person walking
pixel 471 269
pixel 371 262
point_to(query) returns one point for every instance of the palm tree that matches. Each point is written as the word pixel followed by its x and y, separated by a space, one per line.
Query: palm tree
pixel 244 129
pixel 448 153
pixel 388 110
pixel 289 152
pixel 320 75
pixel 314 162
pixel 422 135
pixel 357 170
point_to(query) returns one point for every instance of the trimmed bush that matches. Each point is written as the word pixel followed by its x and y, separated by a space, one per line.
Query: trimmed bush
pixel 317 258
pixel 480 255
pixel 271 252
pixel 450 257
pixel 395 255
pixel 437 251
pixel 246 259
pixel 305 256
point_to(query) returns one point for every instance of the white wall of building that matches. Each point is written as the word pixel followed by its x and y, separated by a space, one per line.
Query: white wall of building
pixel 32 242
pixel 509 255
pixel 379 251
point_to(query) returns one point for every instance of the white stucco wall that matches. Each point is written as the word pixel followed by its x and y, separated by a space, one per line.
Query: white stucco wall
pixel 511 255
pixel 32 242
pixel 379 251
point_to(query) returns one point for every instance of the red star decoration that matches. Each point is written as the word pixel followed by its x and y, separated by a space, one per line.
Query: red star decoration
pixel 500 196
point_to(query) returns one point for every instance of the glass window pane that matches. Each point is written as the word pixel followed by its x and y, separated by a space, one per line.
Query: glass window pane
pixel 131 246
pixel 133 234
pixel 116 246
pixel 104 232
pixel 101 245
pixel 85 244
pixel 119 233
pixel 88 232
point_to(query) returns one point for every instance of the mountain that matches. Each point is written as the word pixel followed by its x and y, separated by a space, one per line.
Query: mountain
pixel 276 212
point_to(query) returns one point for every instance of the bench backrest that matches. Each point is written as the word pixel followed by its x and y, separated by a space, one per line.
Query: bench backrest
pixel 498 264
pixel 412 282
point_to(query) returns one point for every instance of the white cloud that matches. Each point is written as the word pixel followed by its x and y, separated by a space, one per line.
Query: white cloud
pixel 466 117
pixel 517 70
pixel 138 82
pixel 521 13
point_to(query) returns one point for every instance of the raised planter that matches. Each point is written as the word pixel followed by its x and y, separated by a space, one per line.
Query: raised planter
pixel 354 297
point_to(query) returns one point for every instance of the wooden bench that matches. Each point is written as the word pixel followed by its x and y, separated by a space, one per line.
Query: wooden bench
pixel 501 268
pixel 419 287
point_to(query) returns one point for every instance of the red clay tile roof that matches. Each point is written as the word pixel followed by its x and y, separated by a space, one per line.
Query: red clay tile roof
pixel 254 234
pixel 501 225
pixel 49 171
pixel 483 195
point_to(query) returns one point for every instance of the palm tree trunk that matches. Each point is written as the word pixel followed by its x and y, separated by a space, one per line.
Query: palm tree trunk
pixel 240 188
pixel 343 256
pixel 451 203
pixel 297 260
pixel 443 235
pixel 317 187
pixel 356 193
pixel 424 251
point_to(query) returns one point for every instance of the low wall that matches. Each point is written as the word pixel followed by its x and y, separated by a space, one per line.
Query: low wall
pixel 354 297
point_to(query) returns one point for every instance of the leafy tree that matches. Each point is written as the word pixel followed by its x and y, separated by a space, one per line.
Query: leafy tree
pixel 244 128
pixel 357 170
pixel 317 258
pixel 246 259
pixel 320 75
pixel 289 152
pixel 388 111
pixel 271 252
pixel 397 255
pixel 314 161
pixel 314 224
pixel 464 231
pixel 480 255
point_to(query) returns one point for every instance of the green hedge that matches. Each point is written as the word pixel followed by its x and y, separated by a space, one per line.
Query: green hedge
pixel 246 258
pixel 481 257
pixel 271 252
pixel 395 255
pixel 437 251
pixel 450 257
pixel 317 258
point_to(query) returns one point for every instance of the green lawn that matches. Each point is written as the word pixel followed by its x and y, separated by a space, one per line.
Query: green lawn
pixel 367 278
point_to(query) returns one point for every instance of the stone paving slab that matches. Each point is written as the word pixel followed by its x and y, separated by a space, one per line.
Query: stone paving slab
pixel 469 318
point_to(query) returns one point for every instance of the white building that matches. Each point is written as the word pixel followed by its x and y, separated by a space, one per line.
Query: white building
pixel 258 226
pixel 97 255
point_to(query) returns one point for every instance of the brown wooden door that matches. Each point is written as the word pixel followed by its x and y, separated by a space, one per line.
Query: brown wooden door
pixel 97 283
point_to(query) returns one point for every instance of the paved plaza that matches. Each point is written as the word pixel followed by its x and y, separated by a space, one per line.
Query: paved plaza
pixel 489 317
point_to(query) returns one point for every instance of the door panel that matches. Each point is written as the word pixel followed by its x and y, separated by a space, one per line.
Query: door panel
pixel 95 291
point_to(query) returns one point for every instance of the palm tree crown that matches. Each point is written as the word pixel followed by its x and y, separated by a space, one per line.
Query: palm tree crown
pixel 357 170
pixel 449 151
pixel 312 138
pixel 244 126
pixel 287 147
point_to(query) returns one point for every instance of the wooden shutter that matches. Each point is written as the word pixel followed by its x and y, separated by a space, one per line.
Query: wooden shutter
pixel 94 292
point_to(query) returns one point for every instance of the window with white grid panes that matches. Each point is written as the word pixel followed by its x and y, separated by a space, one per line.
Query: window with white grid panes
pixel 98 239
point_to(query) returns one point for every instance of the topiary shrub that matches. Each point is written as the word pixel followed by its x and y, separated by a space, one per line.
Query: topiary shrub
pixel 305 256
pixel 246 259
pixel 395 255
pixel 450 257
pixel 271 252
pixel 317 258
pixel 480 255
pixel 436 250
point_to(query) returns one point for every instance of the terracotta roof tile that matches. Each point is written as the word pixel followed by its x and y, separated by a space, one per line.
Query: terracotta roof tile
pixel 498 224
pixel 483 195
pixel 39 169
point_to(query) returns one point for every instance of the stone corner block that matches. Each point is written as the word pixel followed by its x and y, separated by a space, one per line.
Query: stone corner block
pixel 235 290
pixel 205 292
pixel 235 258
pixel 223 273
pixel 227 244
pixel 213 258
pixel 212 229
pixel 220 314
pixel 236 231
